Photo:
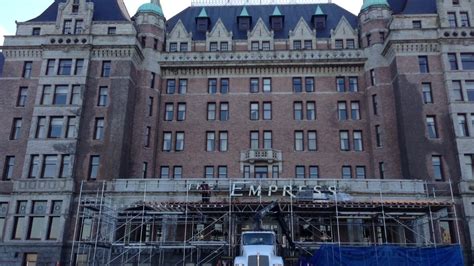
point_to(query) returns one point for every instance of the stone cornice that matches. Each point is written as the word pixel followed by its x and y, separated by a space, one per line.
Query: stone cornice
pixel 404 47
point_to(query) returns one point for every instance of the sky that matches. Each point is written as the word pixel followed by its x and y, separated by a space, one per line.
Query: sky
pixel 22 10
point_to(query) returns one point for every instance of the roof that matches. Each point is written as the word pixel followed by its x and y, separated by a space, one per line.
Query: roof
pixel 369 3
pixel 151 7
pixel 412 7
pixel 292 13
pixel 104 10
pixel 2 61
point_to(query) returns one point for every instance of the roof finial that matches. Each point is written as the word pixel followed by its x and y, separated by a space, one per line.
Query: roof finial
pixel 156 2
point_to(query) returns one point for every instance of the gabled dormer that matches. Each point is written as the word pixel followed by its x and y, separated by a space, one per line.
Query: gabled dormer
pixel 74 17
pixel 244 20
pixel 344 36
pixel 277 20
pixel 260 38
pixel 219 39
pixel 179 39
pixel 302 36
pixel 203 21
pixel 319 19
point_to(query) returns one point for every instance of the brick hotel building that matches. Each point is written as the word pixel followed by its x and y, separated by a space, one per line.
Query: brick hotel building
pixel 111 122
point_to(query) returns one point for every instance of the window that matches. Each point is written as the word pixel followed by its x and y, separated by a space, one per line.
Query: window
pixel 144 170
pixel 464 19
pixel 34 166
pixel 149 104
pixel 369 39
pixel 266 46
pixel 223 141
pixel 99 129
pixel 246 171
pixel 267 111
pixel 372 77
pixel 210 141
pixel 16 129
pixel 457 91
pixel 183 86
pixel 173 47
pixel 299 171
pixel 313 172
pixel 222 170
pixel 111 30
pixel 267 140
pixel 41 128
pixel 467 61
pixel 164 172
pixel 455 2
pixel 179 143
pixel 254 111
pixel 50 67
pixel 19 226
pixel 298 110
pixel 209 172
pixel 462 125
pixel 423 64
pixel 452 20
pixel 267 85
pixel 427 93
pixel 339 44
pixel 153 80
pixel 299 141
pixel 312 141
pixel 60 95
pixel 212 86
pixel 181 112
pixel 344 140
pixel 275 171
pixel 311 110
pixel 37 220
pixel 346 172
pixel 254 46
pixel 340 84
pixel 27 69
pixel 350 44
pixel 297 86
pixel 375 104
pixel 71 127
pixel 355 111
pixel 437 167
pixel 169 112
pixel 3 216
pixel 78 27
pixel 79 66
pixel 178 172
pixel 353 84
pixel 8 171
pixel 170 86
pixel 416 24
pixel 254 85
pixel 357 140
pixel 431 127
pixel 224 46
pixel 382 170
pixel 342 111
pixel 147 137
pixel 470 90
pixel 469 168
pixel 50 166
pixel 65 67
pixel 167 141
pixel 213 46
pixel 65 166
pixel 308 44
pixel 55 127
pixel 106 68
pixel 224 112
pixel 378 136
pixel 309 84
pixel 254 140
pixel 382 36
pixel 67 29
pixel 76 96
pixel 211 111
pixel 36 31
pixel 453 61
pixel 103 96
pixel 360 172
pixel 297 45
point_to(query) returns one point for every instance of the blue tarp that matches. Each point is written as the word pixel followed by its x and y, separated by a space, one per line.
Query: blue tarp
pixel 386 255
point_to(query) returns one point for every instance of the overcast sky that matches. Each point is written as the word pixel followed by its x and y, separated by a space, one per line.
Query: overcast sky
pixel 21 10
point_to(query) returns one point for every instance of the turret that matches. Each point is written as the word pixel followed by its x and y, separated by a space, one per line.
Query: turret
pixel 373 20
pixel 150 23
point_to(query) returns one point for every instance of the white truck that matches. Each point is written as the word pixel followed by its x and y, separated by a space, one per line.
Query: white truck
pixel 258 248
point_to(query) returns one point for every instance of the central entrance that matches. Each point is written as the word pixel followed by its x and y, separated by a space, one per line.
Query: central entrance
pixel 261 172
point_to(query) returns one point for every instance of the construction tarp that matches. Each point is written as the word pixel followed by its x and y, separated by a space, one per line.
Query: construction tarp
pixel 385 255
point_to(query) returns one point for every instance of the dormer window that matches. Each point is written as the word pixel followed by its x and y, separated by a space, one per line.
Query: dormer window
pixel 213 47
pixel 79 27
pixel 75 6
pixel 202 24
pixel 67 29
pixel 319 19
pixel 36 31
pixel 277 20
pixel 173 47
pixel 296 45
pixel 244 23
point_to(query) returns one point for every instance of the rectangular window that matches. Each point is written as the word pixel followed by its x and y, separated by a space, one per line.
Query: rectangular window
pixel 246 171
pixel 222 170
pixel 299 141
pixel 177 172
pixel 267 140
pixel 146 141
pixel 297 45
pixel 312 141
pixel 50 67
pixel 350 44
pixel 382 170
pixel 224 112
pixel 103 96
pixel 8 171
pixel 144 170
pixel 78 27
pixel 254 111
pixel 213 47
pixel 112 30
pixel 267 85
pixel 375 104
pixel 353 84
pixel 36 229
pixel 266 46
pixel 357 140
pixel 457 91
pixel 181 112
pixel 65 67
pixel 297 86
pixel 416 24
pixel 298 111
pixel 299 172
pixel 183 86
pixel 423 64
pixel 223 141
pixel 437 167
pixel 170 86
pixel 209 172
pixel 224 86
pixel 453 61
pixel 65 166
pixel 254 85
pixel 71 127
pixel 224 46
pixel 212 86
pixel 211 111
pixel 342 111
pixel 470 90
pixel 355 111
pixel 467 61
pixel 34 166
pixel 311 110
pixel 344 140
pixel 210 141
pixel 167 141
pixel 149 104
pixel 431 127
pixel 341 84
pixel 76 96
pixel 41 128
pixel 99 128
pixel 50 166
pixel 463 129
pixel 314 172
pixel 360 172
pixel 267 111
pixel 453 23
pixel 79 67
pixel 339 44
pixel 378 136
pixel 16 129
pixel 55 130
pixel 169 112
pixel 369 39
pixel 275 171
pixel 254 140
pixel 346 172
pixel 308 44
pixel 173 47
pixel 179 141
pixel 469 167
pixel 164 172
pixel 67 29
pixel 427 93
pixel 106 68
pixel 309 84
pixel 153 80
pixel 255 46
pixel 94 167
pixel 3 216
pixel 464 19
pixel 27 69
pixel 35 32
pixel 60 95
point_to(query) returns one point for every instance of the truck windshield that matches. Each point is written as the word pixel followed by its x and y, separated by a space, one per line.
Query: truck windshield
pixel 258 239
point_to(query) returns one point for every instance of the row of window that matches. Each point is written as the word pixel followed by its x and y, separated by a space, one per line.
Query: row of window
pixel 463 129
pixel 462 22
pixel 65 67
pixel 36 31
pixel 463 90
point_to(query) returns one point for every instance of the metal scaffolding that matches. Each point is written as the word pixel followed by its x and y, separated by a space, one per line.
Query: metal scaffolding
pixel 170 222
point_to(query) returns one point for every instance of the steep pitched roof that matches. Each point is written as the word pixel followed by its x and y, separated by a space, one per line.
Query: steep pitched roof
pixel 292 13
pixel 2 61
pixel 411 7
pixel 104 10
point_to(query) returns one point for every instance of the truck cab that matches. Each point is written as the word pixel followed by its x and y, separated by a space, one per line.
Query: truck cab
pixel 258 248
